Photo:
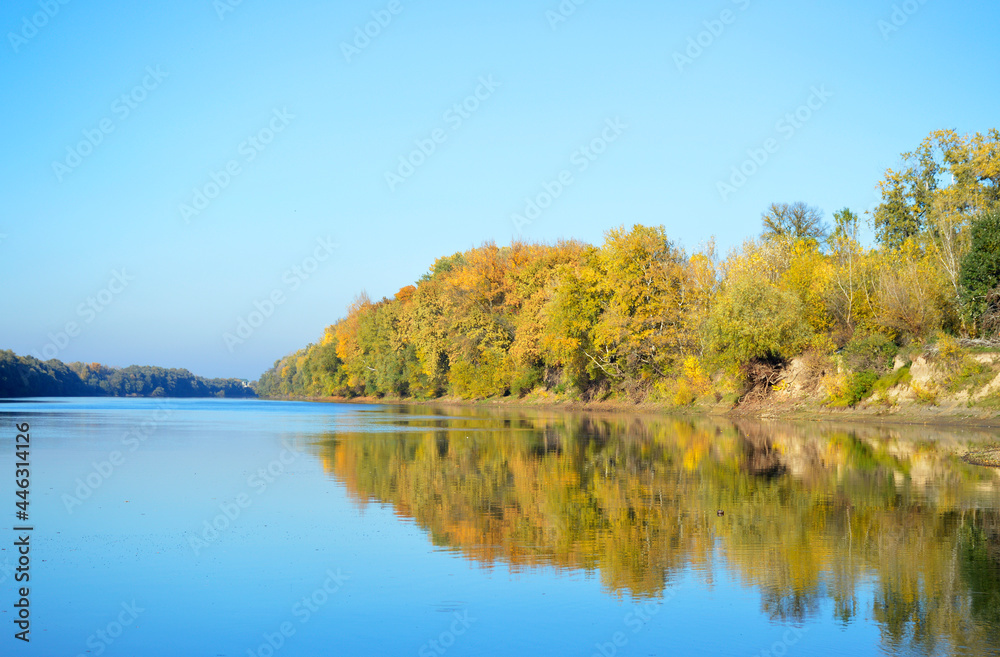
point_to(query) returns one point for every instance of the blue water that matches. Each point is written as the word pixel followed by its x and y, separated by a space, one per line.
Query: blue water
pixel 375 530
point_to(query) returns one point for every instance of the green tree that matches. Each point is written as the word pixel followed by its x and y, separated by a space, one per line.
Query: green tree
pixel 980 271
pixel 570 314
pixel 751 321
pixel 942 184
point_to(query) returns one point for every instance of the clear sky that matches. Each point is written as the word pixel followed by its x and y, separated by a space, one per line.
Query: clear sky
pixel 167 167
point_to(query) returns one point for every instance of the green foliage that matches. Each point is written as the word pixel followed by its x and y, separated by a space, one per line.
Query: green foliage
pixel 525 380
pixel 25 376
pixel 915 202
pixel 444 265
pixel 869 360
pixel 980 273
pixel 874 352
pixel 859 386
pixel 751 320
pixel 902 213
pixel 887 382
pixel 845 225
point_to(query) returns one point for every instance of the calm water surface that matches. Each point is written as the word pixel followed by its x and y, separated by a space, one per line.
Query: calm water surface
pixel 268 528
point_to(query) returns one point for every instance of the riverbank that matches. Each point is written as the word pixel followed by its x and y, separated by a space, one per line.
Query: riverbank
pixel 769 409
pixel 906 419
pixel 947 382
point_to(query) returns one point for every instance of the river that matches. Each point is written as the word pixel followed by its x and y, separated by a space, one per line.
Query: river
pixel 248 527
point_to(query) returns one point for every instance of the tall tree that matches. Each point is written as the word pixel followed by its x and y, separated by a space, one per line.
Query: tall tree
pixel 846 252
pixel 795 221
pixel 941 185
pixel 980 272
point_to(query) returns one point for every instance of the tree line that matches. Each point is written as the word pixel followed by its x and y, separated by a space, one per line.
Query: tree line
pixel 26 376
pixel 638 317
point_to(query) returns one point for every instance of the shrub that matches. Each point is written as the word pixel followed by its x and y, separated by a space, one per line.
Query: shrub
pixel 891 380
pixel 925 395
pixel 949 351
pixel 851 389
pixel 859 386
pixel 913 295
pixel 959 370
pixel 969 374
pixel 525 380
pixel 873 352
pixel 684 395
pixel 752 320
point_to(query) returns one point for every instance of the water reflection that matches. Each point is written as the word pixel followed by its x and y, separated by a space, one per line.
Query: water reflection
pixel 812 516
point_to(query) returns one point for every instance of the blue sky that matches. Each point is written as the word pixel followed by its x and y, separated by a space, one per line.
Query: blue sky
pixel 170 169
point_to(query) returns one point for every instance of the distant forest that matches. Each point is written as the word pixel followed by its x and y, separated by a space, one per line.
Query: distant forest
pixel 26 376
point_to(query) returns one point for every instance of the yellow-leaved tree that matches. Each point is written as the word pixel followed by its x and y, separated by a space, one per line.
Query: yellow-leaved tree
pixel 753 318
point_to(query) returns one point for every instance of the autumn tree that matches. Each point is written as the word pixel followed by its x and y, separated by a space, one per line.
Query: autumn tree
pixel 912 297
pixel 639 316
pixel 942 185
pixel 807 276
pixel 571 312
pixel 349 347
pixel 851 287
pixel 426 326
pixel 534 275
pixel 645 321
pixel 479 328
pixel 753 318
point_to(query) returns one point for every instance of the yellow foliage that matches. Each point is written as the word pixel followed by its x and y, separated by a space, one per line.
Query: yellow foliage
pixel 684 395
pixel 949 349
pixel 329 336
pixel 638 315
pixel 808 276
pixel 925 395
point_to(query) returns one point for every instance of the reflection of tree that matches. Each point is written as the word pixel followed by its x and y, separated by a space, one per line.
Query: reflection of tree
pixel 979 554
pixel 810 514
